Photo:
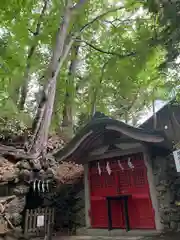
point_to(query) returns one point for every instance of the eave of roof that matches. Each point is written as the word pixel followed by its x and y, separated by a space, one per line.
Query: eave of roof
pixel 97 126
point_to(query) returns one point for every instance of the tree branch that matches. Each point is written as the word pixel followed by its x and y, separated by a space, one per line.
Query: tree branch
pixel 32 49
pixel 100 16
pixel 38 26
pixel 109 52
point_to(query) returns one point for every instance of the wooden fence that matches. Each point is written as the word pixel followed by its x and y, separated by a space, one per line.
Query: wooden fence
pixel 39 222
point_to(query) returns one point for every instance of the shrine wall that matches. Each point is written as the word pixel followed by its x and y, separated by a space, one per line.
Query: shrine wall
pixel 167 183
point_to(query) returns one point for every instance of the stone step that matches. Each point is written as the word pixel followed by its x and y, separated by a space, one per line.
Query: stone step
pixel 116 233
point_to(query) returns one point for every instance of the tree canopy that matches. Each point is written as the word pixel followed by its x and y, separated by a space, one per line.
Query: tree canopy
pixel 104 55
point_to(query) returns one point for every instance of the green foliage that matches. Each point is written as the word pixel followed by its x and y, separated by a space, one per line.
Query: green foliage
pixel 118 58
pixel 166 17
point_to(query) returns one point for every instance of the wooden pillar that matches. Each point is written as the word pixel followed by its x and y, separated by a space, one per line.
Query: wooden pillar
pixel 87 196
pixel 153 193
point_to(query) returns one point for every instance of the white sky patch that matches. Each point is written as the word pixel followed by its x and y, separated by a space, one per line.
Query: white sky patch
pixel 147 114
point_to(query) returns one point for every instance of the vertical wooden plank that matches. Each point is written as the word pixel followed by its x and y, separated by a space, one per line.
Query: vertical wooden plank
pixel 38 229
pixel 34 220
pixel 50 222
pixel 48 216
pixel 26 222
pixel 53 212
pixel 30 220
pixel 52 225
pixel 46 220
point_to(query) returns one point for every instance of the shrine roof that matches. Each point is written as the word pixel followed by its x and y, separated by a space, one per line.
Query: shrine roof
pixel 103 128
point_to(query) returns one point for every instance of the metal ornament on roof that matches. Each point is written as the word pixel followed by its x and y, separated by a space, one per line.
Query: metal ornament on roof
pixel 108 168
pixel 130 164
pixel 99 168
pixel 120 165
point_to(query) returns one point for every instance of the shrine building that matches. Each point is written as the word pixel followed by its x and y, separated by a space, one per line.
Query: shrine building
pixel 126 175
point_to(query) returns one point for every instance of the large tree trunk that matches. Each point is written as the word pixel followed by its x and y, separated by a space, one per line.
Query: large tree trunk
pixel 24 87
pixel 44 114
pixel 95 94
pixel 38 145
pixel 93 102
pixel 67 122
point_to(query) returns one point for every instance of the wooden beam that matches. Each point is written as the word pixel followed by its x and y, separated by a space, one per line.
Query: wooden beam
pixel 116 153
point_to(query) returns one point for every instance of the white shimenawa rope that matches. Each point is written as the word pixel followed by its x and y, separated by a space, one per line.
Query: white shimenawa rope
pixel 120 165
pixel 108 168
pixel 130 163
pixel 99 169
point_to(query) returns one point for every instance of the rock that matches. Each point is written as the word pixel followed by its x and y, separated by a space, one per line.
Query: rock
pixel 35 163
pixel 16 206
pixel 10 237
pixel 161 188
pixel 42 174
pixel 24 164
pixel 7 199
pixel 16 219
pixel 178 226
pixel 7 171
pixel 2 161
pixel 173 225
pixel 50 172
pixel 175 218
pixel 21 190
pixel 18 232
pixel 25 174
pixel 164 182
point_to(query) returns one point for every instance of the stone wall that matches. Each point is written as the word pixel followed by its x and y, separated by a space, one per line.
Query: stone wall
pixel 12 200
pixel 167 183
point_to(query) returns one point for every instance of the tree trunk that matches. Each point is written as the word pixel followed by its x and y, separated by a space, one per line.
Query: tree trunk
pixel 39 141
pixel 93 102
pixel 96 91
pixel 38 146
pixel 24 87
pixel 67 122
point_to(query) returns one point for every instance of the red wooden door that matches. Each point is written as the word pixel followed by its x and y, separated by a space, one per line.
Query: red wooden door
pixel 134 182
pixel 117 214
pixel 123 180
pixel 98 214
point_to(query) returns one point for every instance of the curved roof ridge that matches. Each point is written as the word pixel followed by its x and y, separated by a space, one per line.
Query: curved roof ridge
pixel 100 123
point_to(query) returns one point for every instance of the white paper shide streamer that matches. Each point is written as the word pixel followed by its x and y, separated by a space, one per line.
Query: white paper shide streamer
pixel 130 163
pixel 99 169
pixel 120 165
pixel 108 168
